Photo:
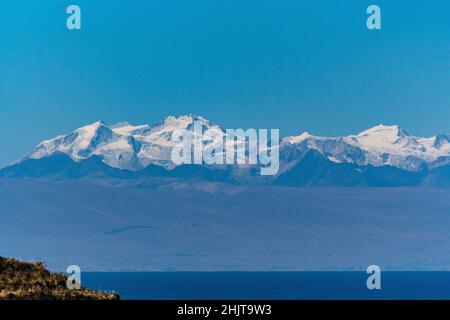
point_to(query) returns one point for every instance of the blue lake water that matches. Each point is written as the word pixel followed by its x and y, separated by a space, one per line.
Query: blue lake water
pixel 268 285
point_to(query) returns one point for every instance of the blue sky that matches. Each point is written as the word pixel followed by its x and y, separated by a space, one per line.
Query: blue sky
pixel 294 65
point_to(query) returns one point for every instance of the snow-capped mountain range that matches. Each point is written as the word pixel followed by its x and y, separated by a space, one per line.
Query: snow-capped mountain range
pixel 131 147
pixel 123 145
pixel 379 146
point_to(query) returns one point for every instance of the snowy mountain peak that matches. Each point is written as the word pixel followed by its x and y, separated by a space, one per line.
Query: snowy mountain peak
pixel 122 145
pixel 184 122
pixel 299 139
pixel 91 129
pixel 125 128
pixel 384 131
pixel 379 145
pixel 385 139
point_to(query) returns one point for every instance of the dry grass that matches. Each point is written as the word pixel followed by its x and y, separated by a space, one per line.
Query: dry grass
pixel 32 281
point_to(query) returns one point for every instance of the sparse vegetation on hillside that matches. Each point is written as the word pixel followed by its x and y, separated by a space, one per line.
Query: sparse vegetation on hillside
pixel 32 281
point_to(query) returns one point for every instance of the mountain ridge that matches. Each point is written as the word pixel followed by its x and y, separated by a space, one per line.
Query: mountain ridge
pixel 126 151
pixel 314 169
pixel 127 146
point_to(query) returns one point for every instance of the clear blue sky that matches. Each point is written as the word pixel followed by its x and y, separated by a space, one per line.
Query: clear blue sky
pixel 294 65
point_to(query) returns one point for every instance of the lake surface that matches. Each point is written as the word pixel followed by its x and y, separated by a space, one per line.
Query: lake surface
pixel 268 285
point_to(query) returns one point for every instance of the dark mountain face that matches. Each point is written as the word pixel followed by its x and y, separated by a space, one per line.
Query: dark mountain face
pixel 37 168
pixel 439 177
pixel 61 166
pixel 388 176
pixel 317 170
pixel 314 169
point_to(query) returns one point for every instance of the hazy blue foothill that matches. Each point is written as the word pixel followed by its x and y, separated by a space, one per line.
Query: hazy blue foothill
pixel 313 169
pixel 204 226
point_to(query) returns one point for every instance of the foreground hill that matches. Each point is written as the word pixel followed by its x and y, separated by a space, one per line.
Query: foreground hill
pixel 23 280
